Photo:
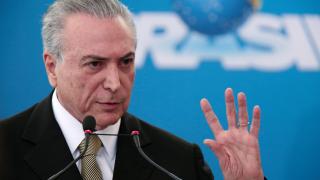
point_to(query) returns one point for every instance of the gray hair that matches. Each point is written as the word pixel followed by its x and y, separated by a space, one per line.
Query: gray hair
pixel 53 20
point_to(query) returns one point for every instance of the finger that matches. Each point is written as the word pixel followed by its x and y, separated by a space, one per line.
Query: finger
pixel 243 112
pixel 230 108
pixel 255 126
pixel 215 147
pixel 211 117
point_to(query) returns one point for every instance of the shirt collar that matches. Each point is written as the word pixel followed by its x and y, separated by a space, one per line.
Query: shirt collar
pixel 73 132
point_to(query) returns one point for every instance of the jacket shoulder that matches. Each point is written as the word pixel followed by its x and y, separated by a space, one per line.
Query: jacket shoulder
pixel 16 122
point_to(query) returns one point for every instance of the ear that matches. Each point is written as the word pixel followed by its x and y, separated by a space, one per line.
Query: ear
pixel 50 64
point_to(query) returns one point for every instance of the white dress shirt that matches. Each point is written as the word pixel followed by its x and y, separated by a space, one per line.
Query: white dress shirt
pixel 73 133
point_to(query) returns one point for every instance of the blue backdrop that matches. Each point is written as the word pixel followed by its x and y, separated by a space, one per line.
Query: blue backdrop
pixel 274 57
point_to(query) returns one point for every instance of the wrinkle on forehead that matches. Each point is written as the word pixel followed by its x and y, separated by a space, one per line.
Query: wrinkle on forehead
pixel 79 25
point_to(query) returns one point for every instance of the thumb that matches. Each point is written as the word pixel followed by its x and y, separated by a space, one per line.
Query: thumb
pixel 216 148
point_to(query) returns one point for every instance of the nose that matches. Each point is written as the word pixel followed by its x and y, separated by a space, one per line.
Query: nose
pixel 112 78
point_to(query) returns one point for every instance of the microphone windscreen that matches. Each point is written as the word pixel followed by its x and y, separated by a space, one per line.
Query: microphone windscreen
pixel 89 123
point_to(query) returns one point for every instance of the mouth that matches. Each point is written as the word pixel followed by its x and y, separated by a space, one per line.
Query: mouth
pixel 109 106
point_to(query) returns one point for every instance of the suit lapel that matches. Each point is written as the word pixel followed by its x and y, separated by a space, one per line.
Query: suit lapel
pixel 47 151
pixel 129 163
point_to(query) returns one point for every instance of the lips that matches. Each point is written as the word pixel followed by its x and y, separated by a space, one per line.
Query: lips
pixel 109 106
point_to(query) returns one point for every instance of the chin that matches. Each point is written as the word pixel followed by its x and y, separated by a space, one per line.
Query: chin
pixel 106 120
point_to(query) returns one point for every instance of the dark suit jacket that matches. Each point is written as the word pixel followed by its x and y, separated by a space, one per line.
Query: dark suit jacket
pixel 32 146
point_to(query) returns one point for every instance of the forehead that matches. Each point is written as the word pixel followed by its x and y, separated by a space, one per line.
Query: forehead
pixel 86 32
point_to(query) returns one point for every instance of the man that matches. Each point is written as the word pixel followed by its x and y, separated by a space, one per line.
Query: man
pixel 89 51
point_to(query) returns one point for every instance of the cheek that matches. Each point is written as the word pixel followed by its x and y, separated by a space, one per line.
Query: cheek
pixel 131 76
pixel 80 86
pixel 75 82
pixel 90 88
pixel 73 86
pixel 129 82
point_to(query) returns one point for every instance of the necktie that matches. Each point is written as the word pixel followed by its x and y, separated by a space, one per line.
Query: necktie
pixel 89 166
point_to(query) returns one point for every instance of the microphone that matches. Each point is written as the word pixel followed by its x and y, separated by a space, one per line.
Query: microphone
pixel 88 125
pixel 136 139
pixel 135 134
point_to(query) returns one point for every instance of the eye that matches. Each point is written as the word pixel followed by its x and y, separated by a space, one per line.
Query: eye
pixel 95 64
pixel 126 62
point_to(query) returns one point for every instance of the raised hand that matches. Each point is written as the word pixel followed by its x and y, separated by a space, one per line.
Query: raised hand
pixel 236 148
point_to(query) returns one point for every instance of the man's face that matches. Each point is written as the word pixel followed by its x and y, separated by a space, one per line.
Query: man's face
pixel 96 74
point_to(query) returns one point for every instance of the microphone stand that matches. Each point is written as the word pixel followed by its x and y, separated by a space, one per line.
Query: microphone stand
pixel 89 124
pixel 55 176
pixel 135 135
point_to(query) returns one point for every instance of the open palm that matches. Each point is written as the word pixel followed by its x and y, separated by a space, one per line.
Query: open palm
pixel 236 148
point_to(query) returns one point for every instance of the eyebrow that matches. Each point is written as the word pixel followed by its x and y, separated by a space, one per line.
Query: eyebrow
pixel 128 55
pixel 101 58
